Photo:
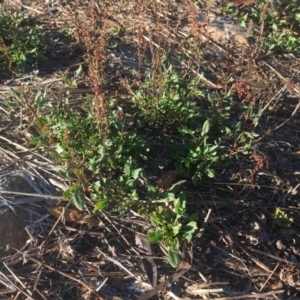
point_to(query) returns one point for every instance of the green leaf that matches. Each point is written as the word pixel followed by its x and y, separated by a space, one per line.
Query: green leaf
pixel 156 219
pixel 78 201
pixel 111 163
pixel 189 230
pixel 251 135
pixel 54 154
pixel 122 208
pixel 174 259
pixel 16 94
pixel 210 173
pixel 175 245
pixel 179 206
pixel 23 57
pixel 212 149
pixel 67 194
pixel 136 173
pixel 100 160
pixel 78 71
pixel 36 142
pixel 154 236
pixel 171 196
pixel 97 186
pixel 151 193
pixel 205 128
pixel 176 229
pixel 134 195
pixel 127 170
pixel 101 204
pixel 228 130
pixel 130 183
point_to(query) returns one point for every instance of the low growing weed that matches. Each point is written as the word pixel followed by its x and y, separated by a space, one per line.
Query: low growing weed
pixel 166 100
pixel 280 22
pixel 172 223
pixel 20 44
pixel 97 165
pixel 284 222
pixel 200 131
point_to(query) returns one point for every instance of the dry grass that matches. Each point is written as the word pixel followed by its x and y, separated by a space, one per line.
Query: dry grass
pixel 240 251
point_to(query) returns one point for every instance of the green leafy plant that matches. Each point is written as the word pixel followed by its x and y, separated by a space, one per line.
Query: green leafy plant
pixel 20 44
pixel 172 224
pixel 282 39
pixel 196 129
pixel 281 23
pixel 167 100
pixel 103 167
pixel 108 169
pixel 202 125
pixel 196 154
pixel 284 222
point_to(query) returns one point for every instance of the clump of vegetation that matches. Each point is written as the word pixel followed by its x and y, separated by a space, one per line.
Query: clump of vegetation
pixel 163 132
pixel 194 127
pixel 107 158
pixel 166 100
pixel 275 23
pixel 284 222
pixel 20 43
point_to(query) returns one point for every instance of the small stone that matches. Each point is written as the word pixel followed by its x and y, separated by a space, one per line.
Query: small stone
pixel 280 245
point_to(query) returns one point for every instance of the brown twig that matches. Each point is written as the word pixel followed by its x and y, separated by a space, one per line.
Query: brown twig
pixel 87 286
